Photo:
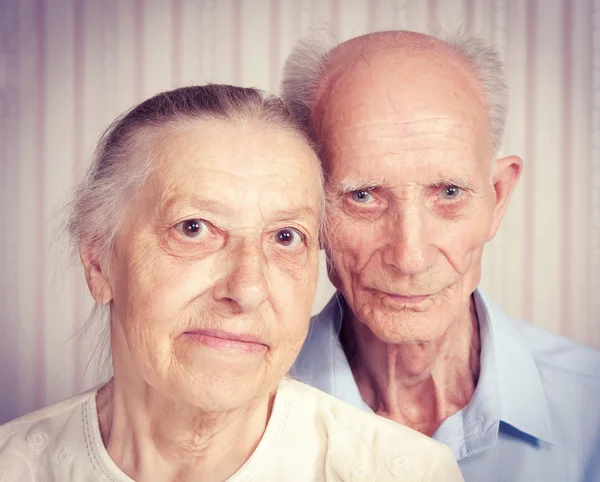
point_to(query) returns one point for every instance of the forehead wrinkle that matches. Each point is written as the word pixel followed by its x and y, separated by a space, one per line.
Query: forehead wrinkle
pixel 411 127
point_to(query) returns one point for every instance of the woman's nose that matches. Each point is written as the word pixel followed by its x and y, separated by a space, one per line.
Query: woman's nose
pixel 244 286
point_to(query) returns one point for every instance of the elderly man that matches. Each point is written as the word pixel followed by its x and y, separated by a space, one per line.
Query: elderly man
pixel 409 128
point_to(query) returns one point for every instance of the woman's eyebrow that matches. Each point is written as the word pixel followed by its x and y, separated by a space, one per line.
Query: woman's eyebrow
pixel 300 212
pixel 196 202
pixel 217 207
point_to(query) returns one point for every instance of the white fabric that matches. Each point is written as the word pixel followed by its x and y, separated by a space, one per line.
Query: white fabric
pixel 310 437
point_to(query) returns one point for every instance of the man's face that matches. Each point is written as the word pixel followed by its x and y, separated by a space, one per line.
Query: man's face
pixel 411 196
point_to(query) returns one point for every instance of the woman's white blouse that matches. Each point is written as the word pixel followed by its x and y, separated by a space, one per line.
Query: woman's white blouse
pixel 310 437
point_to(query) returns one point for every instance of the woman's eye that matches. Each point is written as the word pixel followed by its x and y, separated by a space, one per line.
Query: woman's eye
pixel 288 237
pixel 192 228
pixel 361 196
pixel 451 192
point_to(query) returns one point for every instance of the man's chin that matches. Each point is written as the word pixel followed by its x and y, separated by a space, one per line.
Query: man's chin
pixel 404 326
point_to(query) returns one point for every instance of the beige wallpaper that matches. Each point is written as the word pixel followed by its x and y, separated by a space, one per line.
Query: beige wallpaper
pixel 68 67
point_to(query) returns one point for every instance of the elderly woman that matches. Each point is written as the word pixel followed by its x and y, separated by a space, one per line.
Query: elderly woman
pixel 198 228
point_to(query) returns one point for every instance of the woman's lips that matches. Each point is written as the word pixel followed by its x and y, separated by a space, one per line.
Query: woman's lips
pixel 223 340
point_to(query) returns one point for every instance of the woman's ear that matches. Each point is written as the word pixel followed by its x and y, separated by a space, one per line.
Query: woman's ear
pixel 96 279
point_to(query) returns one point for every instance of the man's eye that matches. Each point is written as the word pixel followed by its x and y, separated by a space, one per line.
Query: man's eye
pixel 288 237
pixel 362 196
pixel 192 228
pixel 451 192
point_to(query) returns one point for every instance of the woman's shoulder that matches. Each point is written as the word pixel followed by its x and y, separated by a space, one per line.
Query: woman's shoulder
pixel 50 437
pixel 50 411
pixel 344 415
pixel 365 443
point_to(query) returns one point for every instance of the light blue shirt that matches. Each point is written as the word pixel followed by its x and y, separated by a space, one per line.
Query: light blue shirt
pixel 534 416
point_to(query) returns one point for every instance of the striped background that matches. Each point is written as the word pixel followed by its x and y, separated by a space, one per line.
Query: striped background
pixel 68 67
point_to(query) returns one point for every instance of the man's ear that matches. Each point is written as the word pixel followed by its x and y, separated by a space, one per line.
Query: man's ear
pixel 96 279
pixel 506 175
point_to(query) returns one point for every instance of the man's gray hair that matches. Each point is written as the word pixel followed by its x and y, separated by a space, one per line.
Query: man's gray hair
pixel 305 66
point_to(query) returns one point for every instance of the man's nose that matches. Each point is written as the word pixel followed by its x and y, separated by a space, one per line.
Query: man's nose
pixel 409 245
pixel 244 287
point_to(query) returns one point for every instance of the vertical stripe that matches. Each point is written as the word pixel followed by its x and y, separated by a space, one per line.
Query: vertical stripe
pixel 176 23
pixel 594 170
pixel 207 38
pixel 139 51
pixel 296 20
pixel 310 14
pixel 274 45
pixel 39 390
pixel 335 18
pixel 110 47
pixel 567 113
pixel 237 42
pixel 498 271
pixel 9 196
pixel 372 15
pixel 500 11
pixel 432 16
pixel 529 208
pixel 78 154
pixel 469 15
pixel 400 14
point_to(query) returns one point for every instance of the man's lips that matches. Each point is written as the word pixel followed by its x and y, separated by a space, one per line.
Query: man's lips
pixel 408 298
pixel 403 297
pixel 224 340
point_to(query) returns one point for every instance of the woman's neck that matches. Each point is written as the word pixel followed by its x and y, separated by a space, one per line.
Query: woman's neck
pixel 151 437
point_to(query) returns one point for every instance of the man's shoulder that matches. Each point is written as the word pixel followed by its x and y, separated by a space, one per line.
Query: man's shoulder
pixel 333 309
pixel 557 354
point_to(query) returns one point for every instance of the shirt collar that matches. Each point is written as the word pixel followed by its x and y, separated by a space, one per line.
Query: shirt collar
pixel 509 388
pixel 521 396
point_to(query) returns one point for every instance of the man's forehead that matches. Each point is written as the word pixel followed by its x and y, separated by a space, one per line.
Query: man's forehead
pixel 399 85
pixel 378 84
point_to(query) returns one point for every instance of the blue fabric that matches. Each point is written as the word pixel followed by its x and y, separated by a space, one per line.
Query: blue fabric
pixel 534 416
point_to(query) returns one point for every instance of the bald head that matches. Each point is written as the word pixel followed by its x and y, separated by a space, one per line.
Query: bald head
pixel 461 74
pixel 408 125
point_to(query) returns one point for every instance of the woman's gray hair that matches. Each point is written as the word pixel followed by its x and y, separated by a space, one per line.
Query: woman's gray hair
pixel 126 151
pixel 305 66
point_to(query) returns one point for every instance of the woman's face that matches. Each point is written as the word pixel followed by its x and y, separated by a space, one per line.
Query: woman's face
pixel 215 267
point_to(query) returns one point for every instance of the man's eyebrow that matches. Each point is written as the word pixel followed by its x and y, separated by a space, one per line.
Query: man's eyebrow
pixel 465 184
pixel 347 186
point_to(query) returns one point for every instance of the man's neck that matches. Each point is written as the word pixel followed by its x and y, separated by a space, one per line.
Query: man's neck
pixel 153 438
pixel 418 385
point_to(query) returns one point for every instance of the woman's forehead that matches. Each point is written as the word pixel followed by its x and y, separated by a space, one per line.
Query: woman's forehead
pixel 232 163
pixel 240 145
